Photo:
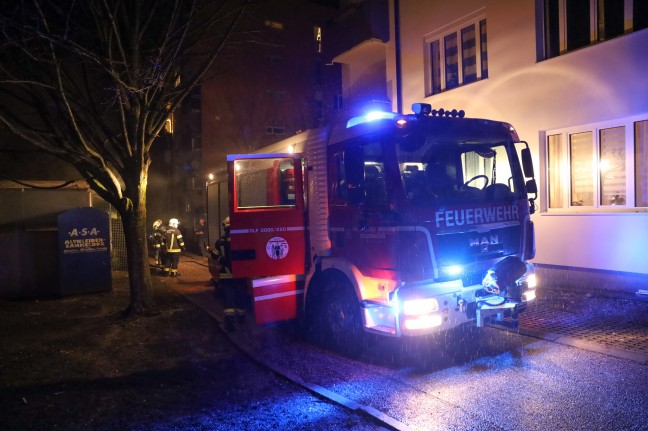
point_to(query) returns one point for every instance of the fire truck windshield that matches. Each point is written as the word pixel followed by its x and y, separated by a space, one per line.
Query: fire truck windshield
pixel 438 172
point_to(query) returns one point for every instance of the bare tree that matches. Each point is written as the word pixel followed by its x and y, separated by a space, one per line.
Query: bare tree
pixel 94 82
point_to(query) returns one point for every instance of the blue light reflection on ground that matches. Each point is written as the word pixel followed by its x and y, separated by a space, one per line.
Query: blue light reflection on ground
pixel 298 412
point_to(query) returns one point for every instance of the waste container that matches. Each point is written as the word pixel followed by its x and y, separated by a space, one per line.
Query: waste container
pixel 84 251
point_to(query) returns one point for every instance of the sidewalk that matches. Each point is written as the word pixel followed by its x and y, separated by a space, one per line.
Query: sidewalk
pixel 615 325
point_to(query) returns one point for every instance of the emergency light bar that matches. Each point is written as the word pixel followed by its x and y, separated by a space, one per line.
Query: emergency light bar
pixel 419 110
pixel 369 117
pixel 425 109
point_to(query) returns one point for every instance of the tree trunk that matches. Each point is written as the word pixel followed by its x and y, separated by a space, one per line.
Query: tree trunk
pixel 139 275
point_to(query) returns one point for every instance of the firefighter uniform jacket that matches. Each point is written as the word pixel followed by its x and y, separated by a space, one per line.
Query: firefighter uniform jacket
pixel 157 237
pixel 173 240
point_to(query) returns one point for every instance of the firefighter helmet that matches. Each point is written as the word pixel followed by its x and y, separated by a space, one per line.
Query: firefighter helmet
pixel 156 224
pixel 174 222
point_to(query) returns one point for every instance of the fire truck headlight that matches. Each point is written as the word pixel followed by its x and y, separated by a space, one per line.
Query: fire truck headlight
pixel 453 270
pixel 423 322
pixel 417 307
pixel 529 295
pixel 532 282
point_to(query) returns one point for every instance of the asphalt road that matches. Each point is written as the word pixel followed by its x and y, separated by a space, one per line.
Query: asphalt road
pixel 496 380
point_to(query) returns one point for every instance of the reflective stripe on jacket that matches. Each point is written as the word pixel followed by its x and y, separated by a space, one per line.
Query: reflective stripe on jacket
pixel 173 240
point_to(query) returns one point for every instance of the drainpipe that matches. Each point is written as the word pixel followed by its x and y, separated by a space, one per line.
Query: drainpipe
pixel 397 49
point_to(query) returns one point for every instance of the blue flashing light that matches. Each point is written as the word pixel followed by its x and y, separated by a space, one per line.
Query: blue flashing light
pixel 369 117
pixel 453 270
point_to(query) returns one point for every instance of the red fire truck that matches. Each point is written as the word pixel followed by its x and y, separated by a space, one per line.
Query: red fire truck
pixel 401 225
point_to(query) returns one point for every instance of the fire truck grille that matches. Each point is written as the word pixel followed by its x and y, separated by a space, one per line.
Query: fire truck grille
pixel 474 247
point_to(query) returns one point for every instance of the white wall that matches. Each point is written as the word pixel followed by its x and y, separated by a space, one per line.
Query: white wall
pixel 598 83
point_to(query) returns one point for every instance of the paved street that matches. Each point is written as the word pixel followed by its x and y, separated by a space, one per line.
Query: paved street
pixel 578 361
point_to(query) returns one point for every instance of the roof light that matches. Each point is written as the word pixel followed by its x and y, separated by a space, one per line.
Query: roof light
pixel 401 122
pixel 453 270
pixel 369 117
pixel 421 108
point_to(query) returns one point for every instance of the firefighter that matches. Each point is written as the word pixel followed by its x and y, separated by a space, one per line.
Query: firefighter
pixel 233 289
pixel 218 262
pixel 223 247
pixel 157 241
pixel 173 245
pixel 200 232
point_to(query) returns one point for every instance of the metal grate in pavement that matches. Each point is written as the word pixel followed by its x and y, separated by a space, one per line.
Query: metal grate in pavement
pixel 616 323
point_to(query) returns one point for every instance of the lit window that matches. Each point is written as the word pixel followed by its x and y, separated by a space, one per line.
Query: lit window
pixel 582 169
pixel 555 163
pixel 600 166
pixel 641 163
pixel 317 34
pixel 457 57
pixel 612 168
pixel 274 25
pixel 168 124
pixel 572 24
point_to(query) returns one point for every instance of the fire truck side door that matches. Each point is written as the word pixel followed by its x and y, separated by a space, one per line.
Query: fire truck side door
pixel 267 215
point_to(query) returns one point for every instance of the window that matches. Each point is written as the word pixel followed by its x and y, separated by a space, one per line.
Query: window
pixel 275 130
pixel 196 142
pixel 318 110
pixel 338 102
pixel 582 169
pixel 374 176
pixel 600 166
pixel 275 25
pixel 317 35
pixel 264 183
pixel 274 59
pixel 457 57
pixel 641 163
pixel 195 99
pixel 276 95
pixel 555 172
pixel 358 176
pixel 573 24
pixel 612 166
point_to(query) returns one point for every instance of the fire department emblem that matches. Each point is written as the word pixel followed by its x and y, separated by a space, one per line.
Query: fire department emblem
pixel 277 248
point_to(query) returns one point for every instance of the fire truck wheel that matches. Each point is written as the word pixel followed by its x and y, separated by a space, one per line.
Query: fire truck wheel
pixel 336 322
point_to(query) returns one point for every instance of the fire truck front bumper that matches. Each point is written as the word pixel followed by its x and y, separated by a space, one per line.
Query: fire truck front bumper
pixel 427 308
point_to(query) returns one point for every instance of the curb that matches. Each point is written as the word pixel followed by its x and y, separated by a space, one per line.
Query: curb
pixel 377 416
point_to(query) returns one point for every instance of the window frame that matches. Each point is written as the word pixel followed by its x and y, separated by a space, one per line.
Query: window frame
pixel 438 39
pixel 596 26
pixel 275 130
pixel 565 173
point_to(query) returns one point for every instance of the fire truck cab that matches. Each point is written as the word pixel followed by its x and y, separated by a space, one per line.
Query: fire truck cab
pixel 400 225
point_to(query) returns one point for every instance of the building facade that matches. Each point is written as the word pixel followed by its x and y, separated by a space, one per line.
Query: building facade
pixel 570 76
pixel 274 79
